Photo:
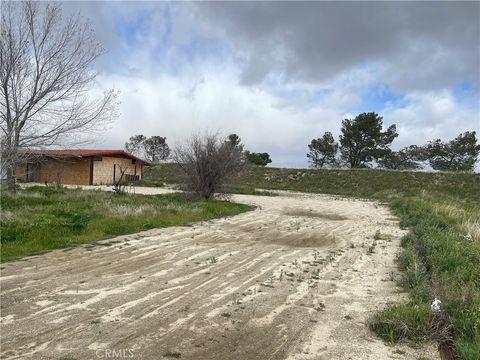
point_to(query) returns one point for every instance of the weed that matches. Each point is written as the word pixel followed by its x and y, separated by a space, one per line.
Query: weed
pixel 173 354
pixel 402 322
pixel 406 258
pixel 236 299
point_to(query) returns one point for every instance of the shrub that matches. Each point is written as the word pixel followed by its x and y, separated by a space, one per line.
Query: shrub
pixel 402 322
pixel 206 163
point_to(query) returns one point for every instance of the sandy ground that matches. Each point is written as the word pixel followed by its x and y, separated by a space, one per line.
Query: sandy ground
pixel 293 279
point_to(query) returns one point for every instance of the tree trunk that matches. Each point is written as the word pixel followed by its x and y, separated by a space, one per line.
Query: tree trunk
pixel 11 175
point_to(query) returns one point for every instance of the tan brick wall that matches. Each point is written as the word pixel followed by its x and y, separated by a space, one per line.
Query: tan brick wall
pixel 21 172
pixel 74 171
pixel 103 170
pixel 77 171
pixel 68 171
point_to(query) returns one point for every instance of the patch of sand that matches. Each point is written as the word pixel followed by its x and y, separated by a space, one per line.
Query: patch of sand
pixel 290 280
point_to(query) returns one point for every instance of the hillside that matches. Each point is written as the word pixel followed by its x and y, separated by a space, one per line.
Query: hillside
pixel 368 183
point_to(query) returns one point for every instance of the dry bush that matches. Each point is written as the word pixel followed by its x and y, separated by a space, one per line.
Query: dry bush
pixel 441 330
pixel 120 183
pixel 206 161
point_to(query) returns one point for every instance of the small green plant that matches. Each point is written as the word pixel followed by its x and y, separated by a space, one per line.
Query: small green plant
pixel 173 354
pixel 405 241
pixel 297 225
pixel 406 258
pixel 236 299
pixel 377 236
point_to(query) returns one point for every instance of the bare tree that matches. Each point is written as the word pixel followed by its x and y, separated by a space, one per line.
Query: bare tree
pixel 207 161
pixel 45 80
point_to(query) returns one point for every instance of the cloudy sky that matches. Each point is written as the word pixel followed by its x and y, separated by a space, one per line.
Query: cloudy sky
pixel 279 74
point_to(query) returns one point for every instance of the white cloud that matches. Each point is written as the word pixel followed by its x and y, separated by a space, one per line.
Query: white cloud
pixel 432 115
pixel 185 68
pixel 217 102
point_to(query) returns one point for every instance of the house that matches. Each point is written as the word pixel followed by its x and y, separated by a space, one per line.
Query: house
pixel 81 167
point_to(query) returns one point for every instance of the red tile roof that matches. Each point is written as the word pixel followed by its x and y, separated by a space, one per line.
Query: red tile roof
pixel 88 153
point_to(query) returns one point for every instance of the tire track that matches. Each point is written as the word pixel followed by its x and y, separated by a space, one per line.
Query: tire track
pixel 274 283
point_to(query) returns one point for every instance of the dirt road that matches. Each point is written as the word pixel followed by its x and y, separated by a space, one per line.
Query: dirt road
pixel 296 279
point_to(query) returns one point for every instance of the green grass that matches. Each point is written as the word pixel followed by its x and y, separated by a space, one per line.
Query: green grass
pixel 39 219
pixel 444 263
pixel 363 183
pixel 169 174
pixel 401 321
pixel 440 209
pixel 149 183
pixel 165 173
pixel 173 354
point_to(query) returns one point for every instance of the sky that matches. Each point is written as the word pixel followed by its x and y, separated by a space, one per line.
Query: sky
pixel 279 74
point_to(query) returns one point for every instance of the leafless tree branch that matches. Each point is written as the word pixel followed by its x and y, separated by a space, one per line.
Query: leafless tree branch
pixel 207 161
pixel 46 78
